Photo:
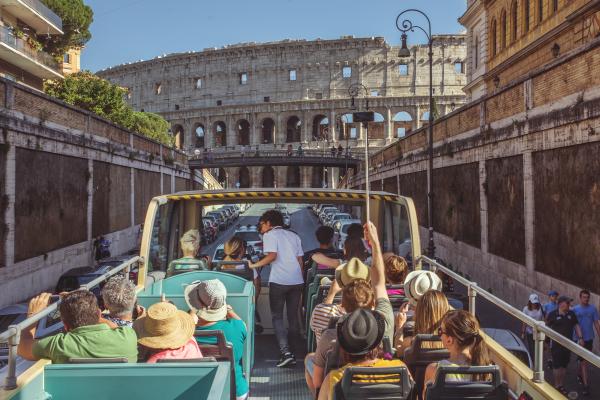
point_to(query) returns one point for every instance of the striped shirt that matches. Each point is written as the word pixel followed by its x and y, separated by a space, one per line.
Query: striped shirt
pixel 322 314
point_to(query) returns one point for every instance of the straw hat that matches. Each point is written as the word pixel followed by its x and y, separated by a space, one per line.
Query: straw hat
pixel 352 270
pixel 207 299
pixel 164 327
pixel 418 282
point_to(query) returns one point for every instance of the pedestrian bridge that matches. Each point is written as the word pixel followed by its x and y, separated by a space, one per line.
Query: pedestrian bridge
pixel 320 158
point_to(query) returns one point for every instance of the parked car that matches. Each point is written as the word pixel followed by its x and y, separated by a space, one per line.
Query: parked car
pixel 209 231
pixel 326 212
pixel 234 210
pixel 215 219
pixel 511 342
pixel 338 217
pixel 341 231
pixel 318 207
pixel 250 235
pixel 287 220
pixel 219 218
pixel 118 260
pixel 16 313
pixel 76 277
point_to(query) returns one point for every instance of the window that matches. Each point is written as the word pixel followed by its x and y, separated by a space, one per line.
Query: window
pixel 157 88
pixel 219 102
pixel 476 52
pixel 346 72
pixel 540 10
pixel 353 133
pixel 177 107
pixel 403 69
pixel 243 78
pixel 514 21
pixel 67 58
pixel 493 36
pixel 292 74
pixel 503 30
pixel 459 67
pixel 198 83
pixel 554 6
pixel 374 93
pixel 318 96
pixel 400 132
pixel 526 9
pixel 267 99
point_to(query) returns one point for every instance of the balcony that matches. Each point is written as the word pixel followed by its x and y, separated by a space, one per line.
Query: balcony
pixel 17 52
pixel 35 14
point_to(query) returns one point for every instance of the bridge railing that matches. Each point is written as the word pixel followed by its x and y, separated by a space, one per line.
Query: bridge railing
pixel 250 153
pixel 12 335
pixel 540 330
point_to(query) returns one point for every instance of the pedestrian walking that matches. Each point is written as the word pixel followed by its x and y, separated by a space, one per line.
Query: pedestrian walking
pixel 563 321
pixel 243 151
pixel 333 151
pixel 534 310
pixel 300 151
pixel 340 150
pixel 283 250
pixel 552 304
pixel 290 151
pixel 587 316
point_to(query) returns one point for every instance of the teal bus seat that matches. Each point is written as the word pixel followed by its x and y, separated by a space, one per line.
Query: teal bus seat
pixel 182 381
pixel 240 295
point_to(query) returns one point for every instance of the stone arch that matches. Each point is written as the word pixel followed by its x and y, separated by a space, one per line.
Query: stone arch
pixel 244 177
pixel 243 132
pixel 222 177
pixel 293 178
pixel 178 133
pixel 293 129
pixel 220 133
pixel 347 129
pixel 267 129
pixel 503 30
pixel 199 136
pixel 319 177
pixel 403 123
pixel 320 127
pixel 268 177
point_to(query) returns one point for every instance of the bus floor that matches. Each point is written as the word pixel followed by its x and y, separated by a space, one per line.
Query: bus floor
pixel 270 382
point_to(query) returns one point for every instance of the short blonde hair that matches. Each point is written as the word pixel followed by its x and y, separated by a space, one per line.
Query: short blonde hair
pixel 190 241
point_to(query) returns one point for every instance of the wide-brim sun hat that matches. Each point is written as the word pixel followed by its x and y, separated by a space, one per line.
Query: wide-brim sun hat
pixel 164 327
pixel 418 282
pixel 360 331
pixel 208 299
pixel 350 271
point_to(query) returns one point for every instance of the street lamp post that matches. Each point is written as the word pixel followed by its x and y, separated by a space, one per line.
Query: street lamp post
pixel 354 90
pixel 405 26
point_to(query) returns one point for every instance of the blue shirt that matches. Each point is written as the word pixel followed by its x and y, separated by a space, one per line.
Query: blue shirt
pixel 549 307
pixel 235 333
pixel 586 315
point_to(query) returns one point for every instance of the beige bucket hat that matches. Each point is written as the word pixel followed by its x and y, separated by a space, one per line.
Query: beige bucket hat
pixel 164 327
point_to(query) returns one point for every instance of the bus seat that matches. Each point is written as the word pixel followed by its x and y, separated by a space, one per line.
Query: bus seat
pixel 418 356
pixel 374 383
pixel 221 351
pixel 186 360
pixel 108 360
pixel 240 295
pixel 332 360
pixel 245 273
pixel 206 380
pixel 495 389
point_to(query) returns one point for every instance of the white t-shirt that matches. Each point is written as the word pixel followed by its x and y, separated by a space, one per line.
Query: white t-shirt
pixel 285 269
pixel 535 314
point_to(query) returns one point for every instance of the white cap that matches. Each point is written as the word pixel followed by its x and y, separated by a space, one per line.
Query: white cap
pixel 534 298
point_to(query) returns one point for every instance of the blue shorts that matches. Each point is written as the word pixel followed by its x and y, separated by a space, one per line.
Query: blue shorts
pixel 309 365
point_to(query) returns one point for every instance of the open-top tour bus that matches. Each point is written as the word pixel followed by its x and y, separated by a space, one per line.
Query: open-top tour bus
pixel 169 216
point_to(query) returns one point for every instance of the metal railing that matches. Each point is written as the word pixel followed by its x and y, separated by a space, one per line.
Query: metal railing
pixel 44 11
pixel 12 335
pixel 8 37
pixel 540 330
pixel 251 153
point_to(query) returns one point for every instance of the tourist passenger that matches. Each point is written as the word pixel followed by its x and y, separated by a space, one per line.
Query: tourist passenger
pixel 324 236
pixel 552 304
pixel 534 310
pixel 432 306
pixel 283 250
pixel 563 321
pixel 235 250
pixel 85 336
pixel 165 332
pixel 461 335
pixel 396 269
pixel 353 248
pixel 120 300
pixel 359 335
pixel 208 300
pixel 190 245
pixel 587 317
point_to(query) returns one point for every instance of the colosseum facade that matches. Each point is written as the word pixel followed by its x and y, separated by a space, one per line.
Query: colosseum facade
pixel 291 93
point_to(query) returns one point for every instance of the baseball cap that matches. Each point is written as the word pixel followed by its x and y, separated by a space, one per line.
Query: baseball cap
pixel 564 298
pixel 553 293
pixel 534 298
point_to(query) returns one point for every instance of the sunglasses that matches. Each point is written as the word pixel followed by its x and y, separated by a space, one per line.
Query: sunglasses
pixel 441 332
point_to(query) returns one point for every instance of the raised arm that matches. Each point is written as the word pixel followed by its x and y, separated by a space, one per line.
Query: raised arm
pixel 377 271
pixel 267 259
pixel 25 348
pixel 322 259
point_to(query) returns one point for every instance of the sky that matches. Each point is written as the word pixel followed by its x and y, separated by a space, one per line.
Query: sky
pixel 130 30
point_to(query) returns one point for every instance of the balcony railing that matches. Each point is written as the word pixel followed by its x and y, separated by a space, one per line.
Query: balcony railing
pixel 8 37
pixel 44 11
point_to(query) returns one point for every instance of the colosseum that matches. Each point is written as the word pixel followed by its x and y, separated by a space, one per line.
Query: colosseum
pixel 291 93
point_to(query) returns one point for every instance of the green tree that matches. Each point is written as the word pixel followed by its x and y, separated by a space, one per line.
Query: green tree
pixel 76 19
pixel 92 93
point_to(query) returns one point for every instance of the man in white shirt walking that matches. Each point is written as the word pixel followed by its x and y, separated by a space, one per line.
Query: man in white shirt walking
pixel 283 250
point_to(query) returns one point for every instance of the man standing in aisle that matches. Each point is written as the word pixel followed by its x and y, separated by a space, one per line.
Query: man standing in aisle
pixel 283 250
pixel 587 316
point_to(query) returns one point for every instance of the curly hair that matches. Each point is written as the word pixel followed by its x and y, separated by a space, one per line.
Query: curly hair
pixel 119 296
pixel 79 308
pixel 274 217
pixel 396 269
pixel 358 294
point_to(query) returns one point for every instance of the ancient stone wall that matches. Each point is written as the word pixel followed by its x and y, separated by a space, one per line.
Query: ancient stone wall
pixel 67 176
